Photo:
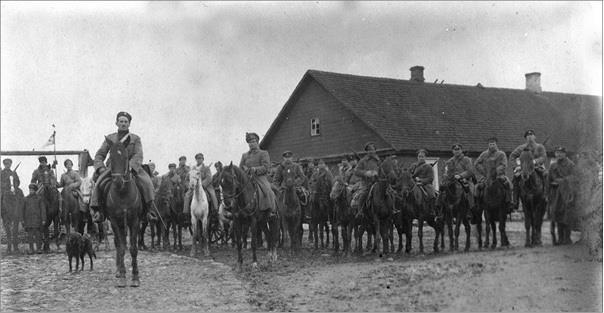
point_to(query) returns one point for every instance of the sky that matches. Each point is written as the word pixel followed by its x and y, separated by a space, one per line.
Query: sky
pixel 196 76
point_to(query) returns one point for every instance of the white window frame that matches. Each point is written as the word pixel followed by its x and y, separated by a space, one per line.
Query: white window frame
pixel 434 162
pixel 315 127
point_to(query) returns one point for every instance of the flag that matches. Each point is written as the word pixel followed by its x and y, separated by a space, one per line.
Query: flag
pixel 50 141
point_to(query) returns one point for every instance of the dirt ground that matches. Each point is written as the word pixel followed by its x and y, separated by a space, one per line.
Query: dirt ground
pixel 548 278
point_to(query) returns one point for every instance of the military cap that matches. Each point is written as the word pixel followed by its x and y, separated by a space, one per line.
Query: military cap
pixel 218 164
pixel 492 139
pixel 321 161
pixel 529 132
pixel 199 155
pixel 371 143
pixel 124 114
pixel 422 151
pixel 151 164
pixel 456 146
pixel 172 165
pixel 68 160
pixel 287 154
pixel 33 186
pixel 42 159
pixel 561 149
pixel 250 136
pixel 182 158
pixel 7 161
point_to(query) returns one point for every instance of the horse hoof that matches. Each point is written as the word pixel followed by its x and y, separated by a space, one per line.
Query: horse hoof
pixel 135 283
pixel 254 265
pixel 121 282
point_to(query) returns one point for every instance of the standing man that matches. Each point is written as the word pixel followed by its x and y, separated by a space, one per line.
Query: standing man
pixel 460 167
pixel 539 159
pixel 367 170
pixel 200 174
pixel 135 155
pixel 257 163
pixel 423 174
pixel 559 172
pixel 34 218
pixel 491 165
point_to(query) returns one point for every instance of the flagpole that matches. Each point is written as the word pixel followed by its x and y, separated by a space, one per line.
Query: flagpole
pixel 54 147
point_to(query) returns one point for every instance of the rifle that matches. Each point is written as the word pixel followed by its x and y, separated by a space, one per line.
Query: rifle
pixel 16 167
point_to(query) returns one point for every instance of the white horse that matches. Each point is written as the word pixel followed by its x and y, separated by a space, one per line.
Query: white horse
pixel 86 190
pixel 200 211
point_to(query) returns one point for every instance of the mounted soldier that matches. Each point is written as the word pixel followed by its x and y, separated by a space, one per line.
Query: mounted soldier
pixel 38 174
pixel 367 170
pixel 539 159
pixel 423 175
pixel 6 184
pixel 70 180
pixel 135 156
pixel 183 170
pixel 279 181
pixel 155 178
pixel 490 165
pixel 257 164
pixel 459 167
pixel 216 181
pixel 200 173
pixel 171 175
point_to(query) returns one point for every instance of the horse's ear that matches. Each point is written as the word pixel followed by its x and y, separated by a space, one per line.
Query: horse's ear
pixel 108 141
pixel 231 164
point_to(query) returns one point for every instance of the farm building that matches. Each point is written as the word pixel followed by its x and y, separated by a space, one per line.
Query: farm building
pixel 330 115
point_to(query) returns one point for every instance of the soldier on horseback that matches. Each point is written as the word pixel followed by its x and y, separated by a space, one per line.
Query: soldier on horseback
pixel 135 155
pixel 460 168
pixel 423 174
pixel 279 180
pixel 5 181
pixel 257 163
pixel 70 180
pixel 367 170
pixel 183 170
pixel 37 176
pixel 539 159
pixel 493 162
pixel 200 172
pixel 171 174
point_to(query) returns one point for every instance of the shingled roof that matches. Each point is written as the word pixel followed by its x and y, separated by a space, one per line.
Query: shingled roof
pixel 411 115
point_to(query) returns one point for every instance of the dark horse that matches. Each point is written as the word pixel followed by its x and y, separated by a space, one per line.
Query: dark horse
pixel 290 209
pixel 415 204
pixel 381 204
pixel 11 212
pixel 50 195
pixel 123 207
pixel 532 197
pixel 453 199
pixel 491 201
pixel 344 216
pixel 178 218
pixel 240 196
pixel 72 216
pixel 321 210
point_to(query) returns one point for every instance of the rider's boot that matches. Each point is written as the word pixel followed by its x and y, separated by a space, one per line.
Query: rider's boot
pixel 151 211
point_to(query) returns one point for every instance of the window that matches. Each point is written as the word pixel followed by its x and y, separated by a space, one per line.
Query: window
pixel 434 163
pixel 314 127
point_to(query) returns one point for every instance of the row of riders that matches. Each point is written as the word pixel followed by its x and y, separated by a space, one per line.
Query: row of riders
pixel 376 194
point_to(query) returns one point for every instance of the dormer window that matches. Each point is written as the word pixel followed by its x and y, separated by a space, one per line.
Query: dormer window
pixel 314 127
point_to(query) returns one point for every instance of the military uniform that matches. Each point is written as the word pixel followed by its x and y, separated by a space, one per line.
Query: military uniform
pixel 34 217
pixel 423 173
pixel 135 155
pixel 491 165
pixel 461 165
pixel 71 181
pixel 37 176
pixel 279 177
pixel 539 158
pixel 559 171
pixel 366 170
pixel 258 162
pixel 183 172
pixel 5 182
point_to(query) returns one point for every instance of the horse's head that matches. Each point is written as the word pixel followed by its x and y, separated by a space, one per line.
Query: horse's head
pixel 230 181
pixel 527 167
pixel 118 156
pixel 388 170
pixel 452 192
pixel 405 180
pixel 289 175
pixel 338 188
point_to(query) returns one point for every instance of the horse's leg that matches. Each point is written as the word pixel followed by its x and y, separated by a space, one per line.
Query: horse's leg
pixel 56 224
pixel 238 234
pixel 457 229
pixel 9 233
pixel 539 218
pixel 141 239
pixel 408 235
pixel 119 253
pixel 552 230
pixel 420 235
pixel 313 230
pixel 134 225
pixel 254 228
pixel 195 236
pixel 205 221
pixel 504 238
pixel 526 208
pixel 468 229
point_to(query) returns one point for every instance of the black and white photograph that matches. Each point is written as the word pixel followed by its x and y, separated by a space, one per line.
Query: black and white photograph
pixel 336 156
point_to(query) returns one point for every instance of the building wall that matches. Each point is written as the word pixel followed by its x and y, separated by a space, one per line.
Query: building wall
pixel 340 131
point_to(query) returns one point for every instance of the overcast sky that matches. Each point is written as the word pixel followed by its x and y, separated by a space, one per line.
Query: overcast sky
pixel 197 75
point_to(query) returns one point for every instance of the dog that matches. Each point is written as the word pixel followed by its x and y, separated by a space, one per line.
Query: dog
pixel 78 246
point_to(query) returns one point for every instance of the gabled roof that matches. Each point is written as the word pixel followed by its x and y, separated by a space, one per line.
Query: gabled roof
pixel 412 115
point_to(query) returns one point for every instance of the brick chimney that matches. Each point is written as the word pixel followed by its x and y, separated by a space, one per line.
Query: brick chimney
pixel 533 82
pixel 417 73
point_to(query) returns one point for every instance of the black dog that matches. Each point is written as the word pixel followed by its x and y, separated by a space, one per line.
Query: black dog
pixel 78 246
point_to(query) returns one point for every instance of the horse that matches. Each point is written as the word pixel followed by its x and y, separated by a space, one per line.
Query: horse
pixel 177 218
pixel 51 197
pixel 453 199
pixel 290 209
pixel 240 195
pixel 414 204
pixel 381 204
pixel 344 216
pixel 200 213
pixel 321 210
pixel 11 212
pixel 491 201
pixel 98 229
pixel 532 197
pixel 160 226
pixel 72 214
pixel 123 207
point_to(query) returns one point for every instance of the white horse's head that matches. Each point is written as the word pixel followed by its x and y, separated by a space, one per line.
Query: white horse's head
pixel 86 188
